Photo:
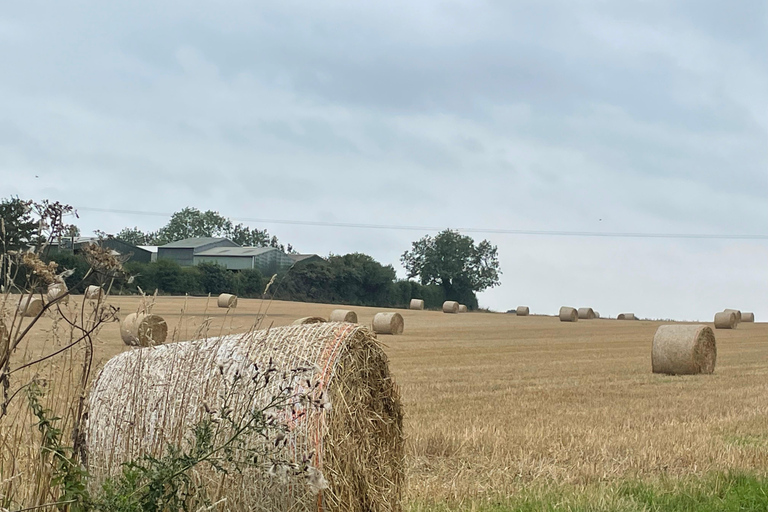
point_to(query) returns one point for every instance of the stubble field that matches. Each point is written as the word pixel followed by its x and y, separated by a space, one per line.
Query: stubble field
pixel 497 405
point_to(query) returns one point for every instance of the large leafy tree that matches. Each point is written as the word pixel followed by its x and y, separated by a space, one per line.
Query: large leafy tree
pixel 18 228
pixel 192 223
pixel 454 262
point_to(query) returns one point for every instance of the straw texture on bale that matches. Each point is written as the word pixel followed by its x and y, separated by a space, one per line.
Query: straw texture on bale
pixel 568 314
pixel 416 304
pixel 388 323
pixel 683 350
pixel 307 320
pixel 94 292
pixel 736 312
pixel 343 315
pixel 146 399
pixel 30 306
pixel 450 306
pixel 227 300
pixel 523 311
pixel 747 317
pixel 57 290
pixel 586 314
pixel 462 308
pixel 143 330
pixel 626 316
pixel 725 320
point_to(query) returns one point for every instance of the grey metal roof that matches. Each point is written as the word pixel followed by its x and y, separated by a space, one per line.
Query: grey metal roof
pixel 192 243
pixel 302 257
pixel 236 251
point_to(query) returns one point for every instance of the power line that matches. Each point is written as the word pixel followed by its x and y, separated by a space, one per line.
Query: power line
pixel 493 231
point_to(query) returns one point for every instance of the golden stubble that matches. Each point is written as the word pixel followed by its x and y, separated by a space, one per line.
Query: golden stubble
pixel 494 402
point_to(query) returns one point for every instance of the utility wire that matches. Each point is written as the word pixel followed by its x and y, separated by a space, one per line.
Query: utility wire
pixel 700 236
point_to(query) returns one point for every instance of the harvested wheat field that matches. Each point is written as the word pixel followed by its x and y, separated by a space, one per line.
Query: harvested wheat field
pixel 496 404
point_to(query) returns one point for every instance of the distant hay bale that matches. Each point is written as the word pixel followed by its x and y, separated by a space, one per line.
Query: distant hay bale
pixel 94 292
pixel 30 306
pixel 145 400
pixel 586 314
pixel 626 316
pixel 736 312
pixel 307 320
pixel 523 311
pixel 747 317
pixel 726 320
pixel 143 330
pixel 462 308
pixel 416 304
pixel 343 315
pixel 227 300
pixel 388 323
pixel 450 306
pixel 683 350
pixel 568 314
pixel 597 315
pixel 57 291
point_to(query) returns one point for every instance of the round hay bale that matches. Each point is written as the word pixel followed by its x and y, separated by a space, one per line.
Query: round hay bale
pixel 568 314
pixel 597 315
pixel 726 320
pixel 143 330
pixel 626 316
pixel 30 306
pixel 462 308
pixel 307 320
pixel 94 292
pixel 416 304
pixel 388 323
pixel 450 306
pixel 343 315
pixel 683 350
pixel 227 300
pixel 586 314
pixel 148 399
pixel 523 311
pixel 747 317
pixel 57 291
pixel 736 312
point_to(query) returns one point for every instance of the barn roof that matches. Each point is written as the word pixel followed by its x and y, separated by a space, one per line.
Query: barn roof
pixel 236 251
pixel 192 243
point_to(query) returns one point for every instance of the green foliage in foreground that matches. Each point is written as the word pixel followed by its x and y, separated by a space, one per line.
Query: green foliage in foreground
pixel 722 492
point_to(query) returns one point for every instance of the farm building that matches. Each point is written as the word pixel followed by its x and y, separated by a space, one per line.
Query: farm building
pixel 118 247
pixel 305 258
pixel 267 259
pixel 184 251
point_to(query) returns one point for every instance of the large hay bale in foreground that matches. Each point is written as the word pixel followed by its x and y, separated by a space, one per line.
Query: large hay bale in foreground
pixel 568 314
pixel 388 323
pixel 143 330
pixel 626 316
pixel 683 350
pixel 747 317
pixel 147 399
pixel 450 306
pixel 308 320
pixel 726 320
pixel 57 292
pixel 30 305
pixel 523 311
pixel 227 300
pixel 463 308
pixel 343 315
pixel 586 314
pixel 417 304
pixel 94 292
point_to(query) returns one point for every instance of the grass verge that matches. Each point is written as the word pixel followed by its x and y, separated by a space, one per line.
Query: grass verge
pixel 719 492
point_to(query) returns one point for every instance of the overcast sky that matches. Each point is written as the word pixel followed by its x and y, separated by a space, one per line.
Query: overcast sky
pixel 549 115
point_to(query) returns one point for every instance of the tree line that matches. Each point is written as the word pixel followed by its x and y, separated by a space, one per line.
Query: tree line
pixel 448 266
